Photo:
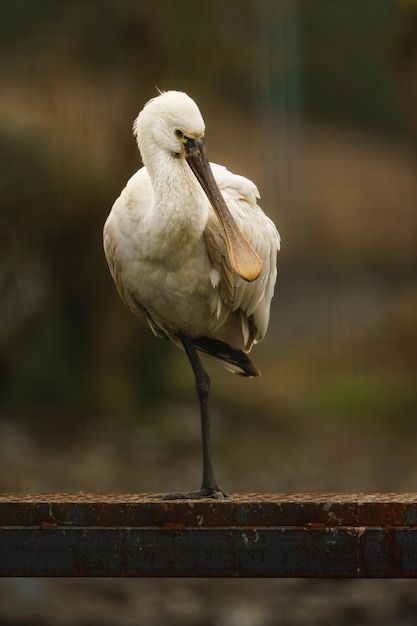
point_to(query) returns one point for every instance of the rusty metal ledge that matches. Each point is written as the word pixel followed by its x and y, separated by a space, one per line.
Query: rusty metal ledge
pixel 251 535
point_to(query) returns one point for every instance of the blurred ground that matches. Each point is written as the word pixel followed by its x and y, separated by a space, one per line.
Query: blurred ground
pixel 192 602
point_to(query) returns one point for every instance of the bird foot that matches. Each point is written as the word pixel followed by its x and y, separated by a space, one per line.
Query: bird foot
pixel 206 492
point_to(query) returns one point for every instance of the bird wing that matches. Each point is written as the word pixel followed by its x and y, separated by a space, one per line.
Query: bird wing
pixel 251 299
pixel 118 231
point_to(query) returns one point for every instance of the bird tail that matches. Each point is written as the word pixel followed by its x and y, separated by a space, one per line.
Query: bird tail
pixel 234 360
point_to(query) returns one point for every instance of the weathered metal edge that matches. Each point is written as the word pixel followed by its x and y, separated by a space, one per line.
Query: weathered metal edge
pixel 209 552
pixel 248 510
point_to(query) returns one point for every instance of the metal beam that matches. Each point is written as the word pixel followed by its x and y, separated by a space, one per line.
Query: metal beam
pixel 279 535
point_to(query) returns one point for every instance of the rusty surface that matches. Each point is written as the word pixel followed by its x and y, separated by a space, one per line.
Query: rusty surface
pixel 269 535
pixel 328 510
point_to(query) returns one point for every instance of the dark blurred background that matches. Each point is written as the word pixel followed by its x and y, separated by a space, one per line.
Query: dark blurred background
pixel 317 103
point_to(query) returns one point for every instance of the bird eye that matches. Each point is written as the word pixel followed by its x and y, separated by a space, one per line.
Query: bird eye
pixel 179 133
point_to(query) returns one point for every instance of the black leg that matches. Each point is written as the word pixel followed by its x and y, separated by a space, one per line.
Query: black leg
pixel 209 487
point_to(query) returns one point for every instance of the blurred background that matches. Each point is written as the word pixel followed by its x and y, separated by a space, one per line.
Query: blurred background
pixel 317 103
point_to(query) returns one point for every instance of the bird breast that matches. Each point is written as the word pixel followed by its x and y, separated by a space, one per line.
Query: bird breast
pixel 159 255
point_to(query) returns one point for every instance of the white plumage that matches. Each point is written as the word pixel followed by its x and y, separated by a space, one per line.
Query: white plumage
pixel 184 261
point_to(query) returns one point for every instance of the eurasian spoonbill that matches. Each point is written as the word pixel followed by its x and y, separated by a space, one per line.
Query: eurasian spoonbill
pixel 191 252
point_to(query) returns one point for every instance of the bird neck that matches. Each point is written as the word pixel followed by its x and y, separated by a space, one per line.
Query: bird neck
pixel 179 200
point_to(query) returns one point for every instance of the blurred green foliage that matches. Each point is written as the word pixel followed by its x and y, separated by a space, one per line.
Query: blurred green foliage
pixel 348 62
pixel 74 75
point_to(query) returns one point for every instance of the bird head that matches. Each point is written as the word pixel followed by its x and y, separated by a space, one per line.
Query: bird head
pixel 172 122
pixel 166 122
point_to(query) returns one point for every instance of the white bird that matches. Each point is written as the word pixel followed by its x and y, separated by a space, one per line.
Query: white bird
pixel 191 252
